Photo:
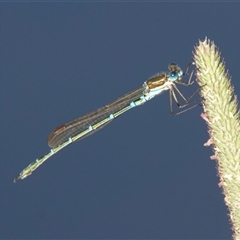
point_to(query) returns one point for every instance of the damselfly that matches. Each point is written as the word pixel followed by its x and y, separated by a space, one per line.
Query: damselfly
pixel 90 123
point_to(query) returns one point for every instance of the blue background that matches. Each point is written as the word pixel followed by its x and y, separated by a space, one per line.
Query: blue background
pixel 147 174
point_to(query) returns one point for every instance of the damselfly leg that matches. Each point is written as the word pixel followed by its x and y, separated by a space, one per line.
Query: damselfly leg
pixel 174 89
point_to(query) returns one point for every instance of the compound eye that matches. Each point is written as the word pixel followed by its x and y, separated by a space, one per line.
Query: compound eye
pixel 173 76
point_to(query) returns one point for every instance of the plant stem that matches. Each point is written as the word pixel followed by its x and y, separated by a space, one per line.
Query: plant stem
pixel 222 117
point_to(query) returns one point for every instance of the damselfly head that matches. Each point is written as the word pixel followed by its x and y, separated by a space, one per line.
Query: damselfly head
pixel 175 72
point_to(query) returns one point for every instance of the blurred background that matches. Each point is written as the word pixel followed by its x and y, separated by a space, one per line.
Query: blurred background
pixel 145 175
